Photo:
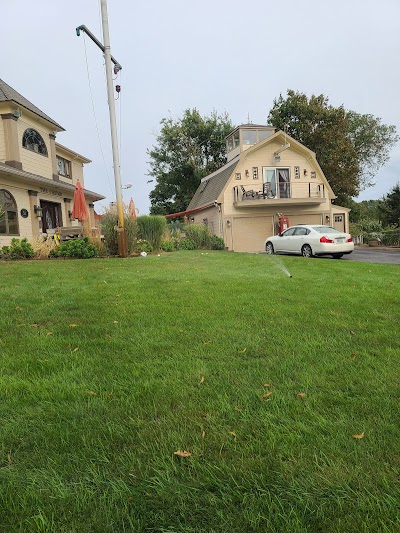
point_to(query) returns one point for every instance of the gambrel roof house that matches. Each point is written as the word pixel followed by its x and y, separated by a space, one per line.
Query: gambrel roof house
pixel 268 175
pixel 37 175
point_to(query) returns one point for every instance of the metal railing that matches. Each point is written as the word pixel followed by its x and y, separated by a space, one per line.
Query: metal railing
pixel 282 190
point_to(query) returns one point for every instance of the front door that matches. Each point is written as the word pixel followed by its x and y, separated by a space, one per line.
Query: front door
pixel 51 217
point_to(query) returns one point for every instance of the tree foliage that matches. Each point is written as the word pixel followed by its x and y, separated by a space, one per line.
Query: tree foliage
pixel 390 208
pixel 187 149
pixel 349 147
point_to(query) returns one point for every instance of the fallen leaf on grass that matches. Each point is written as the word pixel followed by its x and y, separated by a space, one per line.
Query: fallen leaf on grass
pixel 202 380
pixel 267 384
pixel 301 395
pixel 353 332
pixel 266 395
pixel 35 325
pixel 19 309
pixel 182 453
pixel 237 409
pixel 90 392
pixel 75 350
pixel 232 434
pixel 68 346
pixel 359 436
pixel 203 434
pixel 73 325
pixel 9 460
pixel 206 342
pixel 354 355
pixel 244 350
pixel 115 322
pixel 49 333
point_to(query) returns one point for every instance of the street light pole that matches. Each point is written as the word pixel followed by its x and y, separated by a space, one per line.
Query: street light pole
pixel 121 230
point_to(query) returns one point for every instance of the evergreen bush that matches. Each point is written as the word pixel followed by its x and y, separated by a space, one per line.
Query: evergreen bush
pixel 18 249
pixel 75 249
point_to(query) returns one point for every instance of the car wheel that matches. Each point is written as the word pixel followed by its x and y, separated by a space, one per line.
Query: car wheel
pixel 269 248
pixel 306 251
pixel 337 256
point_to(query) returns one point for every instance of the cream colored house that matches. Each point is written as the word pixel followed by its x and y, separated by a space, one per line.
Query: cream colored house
pixel 37 175
pixel 268 175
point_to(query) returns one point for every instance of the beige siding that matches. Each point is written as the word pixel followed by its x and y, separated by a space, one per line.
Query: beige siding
pixel 77 172
pixel 31 161
pixel 249 233
pixel 22 199
pixel 2 142
pixel 213 220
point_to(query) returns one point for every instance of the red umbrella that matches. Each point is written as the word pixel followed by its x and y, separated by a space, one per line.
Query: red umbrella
pixel 132 209
pixel 80 210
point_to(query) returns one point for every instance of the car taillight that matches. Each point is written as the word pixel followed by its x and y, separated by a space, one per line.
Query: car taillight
pixel 325 239
pixel 350 239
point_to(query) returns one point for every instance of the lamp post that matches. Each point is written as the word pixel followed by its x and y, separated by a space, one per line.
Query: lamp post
pixel 121 230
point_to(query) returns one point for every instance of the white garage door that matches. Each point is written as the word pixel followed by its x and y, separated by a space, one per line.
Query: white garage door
pixel 249 234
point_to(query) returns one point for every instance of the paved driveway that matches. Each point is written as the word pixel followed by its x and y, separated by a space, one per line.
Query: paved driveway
pixel 374 255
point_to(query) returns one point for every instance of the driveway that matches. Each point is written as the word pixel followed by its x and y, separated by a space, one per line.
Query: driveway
pixel 374 255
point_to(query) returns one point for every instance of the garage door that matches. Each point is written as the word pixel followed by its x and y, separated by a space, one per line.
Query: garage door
pixel 249 234
pixel 304 219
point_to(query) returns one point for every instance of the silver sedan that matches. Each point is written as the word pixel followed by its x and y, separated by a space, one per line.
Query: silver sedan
pixel 309 240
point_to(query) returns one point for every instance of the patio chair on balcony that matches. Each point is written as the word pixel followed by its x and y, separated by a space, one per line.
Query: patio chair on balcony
pixel 266 192
pixel 248 194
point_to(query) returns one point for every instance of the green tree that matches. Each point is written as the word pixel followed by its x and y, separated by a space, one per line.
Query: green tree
pixel 391 207
pixel 350 147
pixel 187 149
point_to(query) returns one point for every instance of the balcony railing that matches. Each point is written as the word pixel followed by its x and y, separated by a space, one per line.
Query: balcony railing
pixel 305 192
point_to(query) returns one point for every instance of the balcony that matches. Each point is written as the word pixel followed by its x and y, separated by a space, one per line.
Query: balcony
pixel 279 194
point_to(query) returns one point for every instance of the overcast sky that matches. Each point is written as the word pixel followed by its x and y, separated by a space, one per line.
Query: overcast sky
pixel 229 56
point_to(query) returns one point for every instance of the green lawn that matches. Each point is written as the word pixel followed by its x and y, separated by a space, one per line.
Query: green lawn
pixel 109 366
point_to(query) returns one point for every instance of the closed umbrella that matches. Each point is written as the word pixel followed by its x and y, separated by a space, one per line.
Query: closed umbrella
pixel 132 209
pixel 80 210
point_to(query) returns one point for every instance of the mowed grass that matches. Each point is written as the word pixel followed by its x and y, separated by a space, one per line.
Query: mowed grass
pixel 107 367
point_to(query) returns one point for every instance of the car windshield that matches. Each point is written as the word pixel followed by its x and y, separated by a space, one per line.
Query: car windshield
pixel 326 229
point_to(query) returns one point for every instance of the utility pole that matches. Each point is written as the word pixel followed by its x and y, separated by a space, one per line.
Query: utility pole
pixel 121 230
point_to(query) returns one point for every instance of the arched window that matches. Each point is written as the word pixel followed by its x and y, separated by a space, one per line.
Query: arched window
pixel 8 214
pixel 32 140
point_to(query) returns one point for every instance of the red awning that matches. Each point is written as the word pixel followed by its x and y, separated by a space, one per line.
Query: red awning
pixel 190 211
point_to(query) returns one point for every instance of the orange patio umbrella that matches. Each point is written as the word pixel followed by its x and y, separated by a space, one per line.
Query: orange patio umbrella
pixel 80 210
pixel 132 209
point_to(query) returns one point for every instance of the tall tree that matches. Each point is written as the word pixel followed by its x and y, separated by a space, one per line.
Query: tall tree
pixel 349 147
pixel 391 207
pixel 187 149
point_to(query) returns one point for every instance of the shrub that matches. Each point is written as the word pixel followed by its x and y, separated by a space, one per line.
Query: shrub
pixel 217 243
pixel 168 246
pixel 76 249
pixel 187 244
pixel 18 249
pixel 152 228
pixel 391 237
pixel 143 246
pixel 199 234
pixel 108 223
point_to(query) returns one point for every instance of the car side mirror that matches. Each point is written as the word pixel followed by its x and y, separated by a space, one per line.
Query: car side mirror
pixel 280 234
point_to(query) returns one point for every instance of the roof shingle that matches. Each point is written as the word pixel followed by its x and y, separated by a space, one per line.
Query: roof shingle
pixel 8 94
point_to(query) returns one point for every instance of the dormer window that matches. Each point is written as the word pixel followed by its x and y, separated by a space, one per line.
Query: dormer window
pixel 32 140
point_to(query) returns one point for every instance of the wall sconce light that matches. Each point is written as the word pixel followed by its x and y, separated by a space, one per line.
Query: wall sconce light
pixel 228 223
pixel 70 215
pixel 191 219
pixel 277 158
pixel 38 211
pixel 305 172
pixel 327 218
pixel 247 173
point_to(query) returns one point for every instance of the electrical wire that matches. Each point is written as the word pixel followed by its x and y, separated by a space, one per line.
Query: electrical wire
pixel 95 116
